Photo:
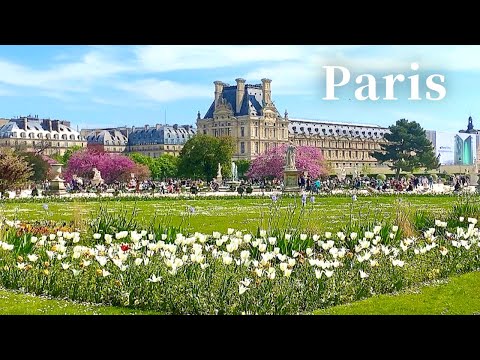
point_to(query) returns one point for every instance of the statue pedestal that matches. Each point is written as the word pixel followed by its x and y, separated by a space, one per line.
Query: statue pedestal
pixel 290 180
pixel 57 185
pixel 219 179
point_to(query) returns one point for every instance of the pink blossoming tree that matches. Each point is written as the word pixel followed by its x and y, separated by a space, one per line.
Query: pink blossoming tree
pixel 112 167
pixel 271 163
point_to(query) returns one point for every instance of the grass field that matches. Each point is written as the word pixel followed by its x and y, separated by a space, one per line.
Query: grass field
pixel 456 296
pixel 15 303
pixel 325 214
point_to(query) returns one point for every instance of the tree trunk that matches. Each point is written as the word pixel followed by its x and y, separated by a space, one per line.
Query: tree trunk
pixel 397 173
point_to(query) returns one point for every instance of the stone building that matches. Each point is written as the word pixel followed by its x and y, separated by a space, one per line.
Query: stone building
pixel 148 140
pixel 160 139
pixel 29 133
pixel 108 140
pixel 248 114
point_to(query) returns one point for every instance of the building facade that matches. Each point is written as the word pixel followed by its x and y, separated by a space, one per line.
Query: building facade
pixel 29 133
pixel 108 140
pixel 247 113
pixel 152 141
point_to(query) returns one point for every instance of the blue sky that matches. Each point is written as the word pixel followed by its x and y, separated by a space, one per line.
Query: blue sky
pixel 94 86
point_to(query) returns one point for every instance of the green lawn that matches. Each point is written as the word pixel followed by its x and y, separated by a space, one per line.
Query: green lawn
pixel 14 303
pixel 326 214
pixel 458 296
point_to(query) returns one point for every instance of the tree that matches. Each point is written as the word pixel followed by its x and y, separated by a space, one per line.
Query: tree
pixel 112 167
pixel 63 159
pixel 407 148
pixel 271 163
pixel 38 164
pixel 201 155
pixel 15 172
pixel 242 167
pixel 163 167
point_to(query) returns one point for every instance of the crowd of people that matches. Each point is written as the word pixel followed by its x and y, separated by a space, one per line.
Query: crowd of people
pixel 306 183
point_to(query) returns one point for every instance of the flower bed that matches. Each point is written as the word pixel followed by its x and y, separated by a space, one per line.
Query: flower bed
pixel 233 273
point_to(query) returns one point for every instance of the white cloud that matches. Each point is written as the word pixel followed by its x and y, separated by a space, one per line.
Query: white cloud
pixel 165 90
pixel 164 58
pixel 73 76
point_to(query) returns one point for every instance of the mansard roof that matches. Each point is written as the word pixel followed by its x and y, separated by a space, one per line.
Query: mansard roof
pixel 251 103
pixel 330 128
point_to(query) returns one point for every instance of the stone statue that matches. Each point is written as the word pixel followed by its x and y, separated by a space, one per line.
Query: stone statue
pixel 97 177
pixel 219 174
pixel 234 171
pixel 290 158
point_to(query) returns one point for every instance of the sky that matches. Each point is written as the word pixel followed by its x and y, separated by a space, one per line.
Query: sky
pixel 107 86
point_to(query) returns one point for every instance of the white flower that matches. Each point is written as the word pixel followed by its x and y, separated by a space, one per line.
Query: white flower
pixel 276 250
pixel 21 266
pixel 394 228
pixel 363 275
pixel 309 251
pixel 146 261
pixel 244 255
pixel 230 247
pixel 204 266
pixel 295 253
pixel 76 272
pixel 263 233
pixel 443 251
pixel 262 247
pixel 7 247
pixel 138 261
pixel 461 218
pixel 227 260
pixel 328 273
pixel 369 235
pixel 373 263
pixel 154 278
pixel 318 274
pixel 287 272
pixel 50 254
pixel 472 220
pixel 151 236
pixel 271 273
pixel 272 240
pixel 33 239
pixel 353 235
pixel 86 263
pixel 97 236
pixel 377 229
pixel 242 289
pixel 291 262
pixel 65 266
pixel 392 236
pixel 105 273
pixel 303 237
pixel 230 231
pixel 247 238
pixel 102 260
pixel 288 237
pixel 328 235
pixel 399 263
pixel 52 236
pixel 259 272
pixel 164 237
pixel 283 266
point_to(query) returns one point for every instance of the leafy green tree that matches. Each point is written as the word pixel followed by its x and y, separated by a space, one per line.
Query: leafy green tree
pixel 163 167
pixel 63 159
pixel 15 171
pixel 242 167
pixel 39 166
pixel 407 148
pixel 201 155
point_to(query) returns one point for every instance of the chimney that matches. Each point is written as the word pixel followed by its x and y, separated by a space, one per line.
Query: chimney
pixel 25 121
pixel 240 93
pixel 218 91
pixel 267 92
pixel 146 127
pixel 158 126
